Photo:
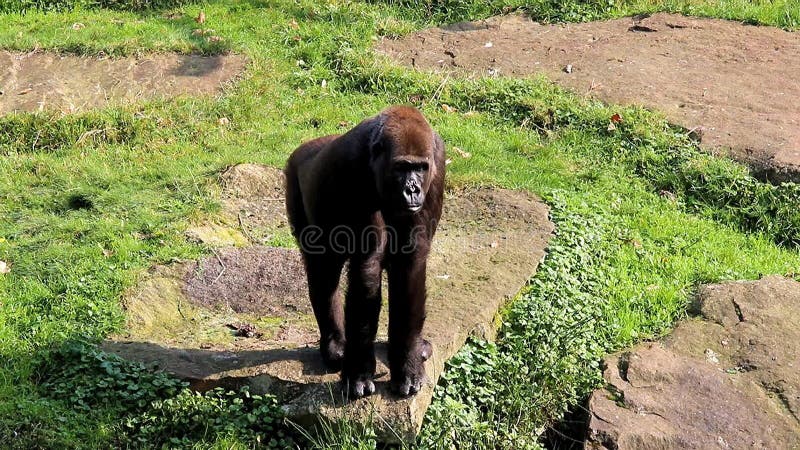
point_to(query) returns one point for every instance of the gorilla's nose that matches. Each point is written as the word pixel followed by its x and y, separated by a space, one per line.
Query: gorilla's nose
pixel 412 188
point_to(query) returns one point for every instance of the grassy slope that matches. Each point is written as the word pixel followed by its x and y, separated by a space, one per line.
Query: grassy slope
pixel 780 13
pixel 153 171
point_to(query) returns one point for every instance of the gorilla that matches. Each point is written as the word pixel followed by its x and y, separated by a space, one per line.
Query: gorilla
pixel 371 198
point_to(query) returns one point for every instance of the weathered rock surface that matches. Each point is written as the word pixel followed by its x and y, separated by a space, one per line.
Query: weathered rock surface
pixel 735 85
pixel 488 245
pixel 40 80
pixel 727 379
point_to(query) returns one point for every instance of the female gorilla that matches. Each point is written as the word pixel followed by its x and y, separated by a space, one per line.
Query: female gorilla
pixel 373 197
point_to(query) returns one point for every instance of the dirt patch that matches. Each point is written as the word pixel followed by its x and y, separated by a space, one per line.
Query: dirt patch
pixel 735 85
pixel 489 244
pixel 253 195
pixel 39 80
pixel 264 280
pixel 253 209
pixel 725 380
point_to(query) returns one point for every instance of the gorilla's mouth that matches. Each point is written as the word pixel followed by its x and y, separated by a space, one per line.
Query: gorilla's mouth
pixel 414 208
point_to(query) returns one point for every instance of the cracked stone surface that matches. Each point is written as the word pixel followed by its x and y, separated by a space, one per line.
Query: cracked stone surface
pixel 489 244
pixel 66 83
pixel 725 379
pixel 734 85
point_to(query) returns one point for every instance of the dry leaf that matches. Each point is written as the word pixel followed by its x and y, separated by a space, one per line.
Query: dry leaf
pixel 78 26
pixel 635 243
pixel 568 68
pixel 201 18
pixel 494 245
pixel 244 329
pixel 471 113
pixel 344 124
pixel 293 24
pixel 668 195
pixel 611 126
pixel 462 153
pixel 696 134
pixel 214 39
pixel 488 45
pixel 4 267
pixel 447 108
pixel 616 118
pixel 197 32
pixel 223 121
pixel 324 83
pixel 107 253
pixel 24 91
pixel 447 161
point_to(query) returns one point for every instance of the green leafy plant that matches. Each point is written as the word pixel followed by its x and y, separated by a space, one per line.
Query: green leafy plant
pixel 191 417
pixel 86 378
pixel 547 352
pixel 158 409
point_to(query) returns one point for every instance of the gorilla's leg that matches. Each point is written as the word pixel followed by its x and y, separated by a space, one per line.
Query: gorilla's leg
pixel 362 308
pixel 407 349
pixel 323 273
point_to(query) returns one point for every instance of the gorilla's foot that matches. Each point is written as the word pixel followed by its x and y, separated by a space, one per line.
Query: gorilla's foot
pixel 332 353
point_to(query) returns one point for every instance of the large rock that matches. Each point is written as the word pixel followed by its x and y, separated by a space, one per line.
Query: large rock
pixel 489 243
pixel 727 379
pixel 738 95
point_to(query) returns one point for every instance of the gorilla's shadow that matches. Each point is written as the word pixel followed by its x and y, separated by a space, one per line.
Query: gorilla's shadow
pixel 197 66
pixel 288 373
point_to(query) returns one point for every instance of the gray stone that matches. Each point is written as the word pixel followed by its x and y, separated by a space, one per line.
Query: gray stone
pixel 670 394
pixel 66 83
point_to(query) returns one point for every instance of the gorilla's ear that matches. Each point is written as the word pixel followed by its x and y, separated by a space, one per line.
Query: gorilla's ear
pixel 438 145
pixel 439 156
pixel 376 143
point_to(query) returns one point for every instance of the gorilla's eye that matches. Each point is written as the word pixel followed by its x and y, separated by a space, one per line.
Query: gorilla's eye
pixel 410 166
pixel 403 166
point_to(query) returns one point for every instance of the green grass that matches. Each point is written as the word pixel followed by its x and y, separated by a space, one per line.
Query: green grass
pixel 780 13
pixel 24 6
pixel 82 214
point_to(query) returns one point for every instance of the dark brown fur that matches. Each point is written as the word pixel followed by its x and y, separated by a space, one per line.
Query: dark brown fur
pixel 350 182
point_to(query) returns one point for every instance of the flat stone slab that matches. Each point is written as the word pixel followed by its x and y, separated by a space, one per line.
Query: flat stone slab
pixel 727 379
pixel 67 83
pixel 184 317
pixel 736 85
